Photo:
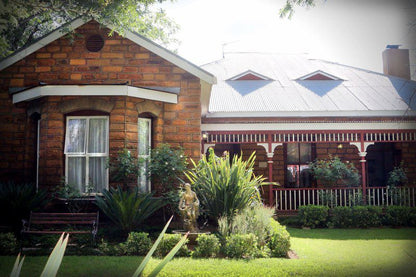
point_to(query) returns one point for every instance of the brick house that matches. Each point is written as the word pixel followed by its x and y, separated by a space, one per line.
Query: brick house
pixel 69 102
pixel 292 110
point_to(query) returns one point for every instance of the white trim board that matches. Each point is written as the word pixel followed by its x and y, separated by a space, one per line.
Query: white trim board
pixel 140 40
pixel 94 90
pixel 306 126
pixel 340 113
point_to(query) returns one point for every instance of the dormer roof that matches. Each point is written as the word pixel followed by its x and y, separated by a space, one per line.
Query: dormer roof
pixel 319 75
pixel 250 75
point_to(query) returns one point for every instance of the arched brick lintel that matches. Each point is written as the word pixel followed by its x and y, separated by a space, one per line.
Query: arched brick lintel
pixel 85 103
pixel 149 107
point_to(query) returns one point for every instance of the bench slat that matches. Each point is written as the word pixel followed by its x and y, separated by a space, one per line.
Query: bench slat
pixel 52 222
pixel 56 232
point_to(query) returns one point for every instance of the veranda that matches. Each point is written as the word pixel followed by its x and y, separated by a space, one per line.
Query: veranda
pixel 374 153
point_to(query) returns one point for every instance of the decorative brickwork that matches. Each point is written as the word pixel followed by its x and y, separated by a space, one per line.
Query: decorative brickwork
pixel 67 61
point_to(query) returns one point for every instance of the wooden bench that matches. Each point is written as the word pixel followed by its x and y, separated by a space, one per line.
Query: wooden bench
pixel 56 223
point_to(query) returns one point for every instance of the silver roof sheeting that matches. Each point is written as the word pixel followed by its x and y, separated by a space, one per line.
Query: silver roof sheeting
pixel 357 90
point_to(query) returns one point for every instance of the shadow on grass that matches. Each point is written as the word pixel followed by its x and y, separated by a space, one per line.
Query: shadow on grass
pixel 355 234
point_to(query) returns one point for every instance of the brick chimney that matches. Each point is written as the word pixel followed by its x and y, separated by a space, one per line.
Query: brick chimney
pixel 396 62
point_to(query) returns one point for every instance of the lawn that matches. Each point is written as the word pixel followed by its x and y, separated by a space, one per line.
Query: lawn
pixel 322 252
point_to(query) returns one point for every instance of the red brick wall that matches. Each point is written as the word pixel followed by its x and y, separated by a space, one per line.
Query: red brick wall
pixel 66 62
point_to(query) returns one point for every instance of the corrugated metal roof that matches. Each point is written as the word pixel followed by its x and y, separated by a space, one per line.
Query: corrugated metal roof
pixel 358 89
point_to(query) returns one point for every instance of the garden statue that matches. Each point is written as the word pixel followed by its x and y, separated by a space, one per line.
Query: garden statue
pixel 189 208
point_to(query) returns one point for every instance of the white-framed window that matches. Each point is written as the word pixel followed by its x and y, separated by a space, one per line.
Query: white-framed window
pixel 86 153
pixel 143 149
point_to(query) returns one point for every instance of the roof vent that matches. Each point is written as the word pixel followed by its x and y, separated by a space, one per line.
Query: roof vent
pixel 249 76
pixel 94 43
pixel 319 75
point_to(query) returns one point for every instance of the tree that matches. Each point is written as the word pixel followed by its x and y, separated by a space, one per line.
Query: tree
pixel 24 21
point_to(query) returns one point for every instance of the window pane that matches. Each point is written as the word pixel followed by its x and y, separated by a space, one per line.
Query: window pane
pixel 76 173
pixel 144 136
pixel 97 174
pixel 305 177
pixel 143 179
pixel 292 153
pixel 97 141
pixel 75 136
pixel 305 153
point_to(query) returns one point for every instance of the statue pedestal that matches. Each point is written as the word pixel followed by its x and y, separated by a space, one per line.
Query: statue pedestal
pixel 192 235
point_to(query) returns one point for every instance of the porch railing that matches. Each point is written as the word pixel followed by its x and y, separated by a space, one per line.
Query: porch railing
pixel 290 199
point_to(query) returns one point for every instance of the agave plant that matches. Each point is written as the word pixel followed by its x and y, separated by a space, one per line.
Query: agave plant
pixel 54 261
pixel 225 186
pixel 127 209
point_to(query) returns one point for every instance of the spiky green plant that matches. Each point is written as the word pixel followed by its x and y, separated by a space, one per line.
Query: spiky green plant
pixel 169 256
pixel 127 209
pixel 54 261
pixel 225 186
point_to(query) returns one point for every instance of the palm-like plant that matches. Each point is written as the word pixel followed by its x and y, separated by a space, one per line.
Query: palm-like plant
pixel 127 209
pixel 225 186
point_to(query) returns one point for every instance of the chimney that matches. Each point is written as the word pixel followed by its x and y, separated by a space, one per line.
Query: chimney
pixel 396 62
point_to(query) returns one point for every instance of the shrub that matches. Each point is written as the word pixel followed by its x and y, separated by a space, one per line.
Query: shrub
pixel 241 246
pixel 138 244
pixel 125 168
pixel 127 209
pixel 313 216
pixel 341 217
pixel 365 216
pixel 16 202
pixel 333 172
pixel 400 216
pixel 108 249
pixel 224 186
pixel 8 244
pixel 166 165
pixel 208 246
pixel 168 242
pixel 255 220
pixel 279 242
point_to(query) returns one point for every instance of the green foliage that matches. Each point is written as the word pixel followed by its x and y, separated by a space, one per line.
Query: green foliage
pixel 138 244
pixel 366 216
pixel 8 244
pixel 400 216
pixel 251 220
pixel 52 264
pixel 341 217
pixel 241 246
pixel 279 242
pixel 16 202
pixel 397 177
pixel 225 186
pixel 22 22
pixel 313 216
pixel 208 246
pixel 166 165
pixel 168 242
pixel 289 8
pixel 125 168
pixel 333 172
pixel 127 209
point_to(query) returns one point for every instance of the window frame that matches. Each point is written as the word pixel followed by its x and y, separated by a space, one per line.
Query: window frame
pixel 85 153
pixel 298 164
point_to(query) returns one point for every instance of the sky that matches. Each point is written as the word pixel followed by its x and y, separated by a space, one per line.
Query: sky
pixel 351 32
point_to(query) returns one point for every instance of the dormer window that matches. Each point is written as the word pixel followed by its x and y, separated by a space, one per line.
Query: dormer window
pixel 249 76
pixel 319 75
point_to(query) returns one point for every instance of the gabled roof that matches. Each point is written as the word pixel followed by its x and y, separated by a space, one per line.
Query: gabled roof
pixel 140 40
pixel 249 75
pixel 318 75
pixel 355 92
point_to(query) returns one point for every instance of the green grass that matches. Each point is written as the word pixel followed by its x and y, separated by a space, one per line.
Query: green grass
pixel 322 252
